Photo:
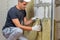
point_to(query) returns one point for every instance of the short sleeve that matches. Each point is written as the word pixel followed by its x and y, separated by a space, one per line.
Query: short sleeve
pixel 12 14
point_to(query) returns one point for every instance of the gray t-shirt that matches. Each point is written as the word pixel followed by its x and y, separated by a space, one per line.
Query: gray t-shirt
pixel 14 13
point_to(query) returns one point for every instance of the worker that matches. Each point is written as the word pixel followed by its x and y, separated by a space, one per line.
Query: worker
pixel 16 17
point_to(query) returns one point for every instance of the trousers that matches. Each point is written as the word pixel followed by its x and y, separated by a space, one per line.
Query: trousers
pixel 13 33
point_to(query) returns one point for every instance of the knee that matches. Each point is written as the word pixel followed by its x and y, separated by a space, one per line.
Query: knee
pixel 19 31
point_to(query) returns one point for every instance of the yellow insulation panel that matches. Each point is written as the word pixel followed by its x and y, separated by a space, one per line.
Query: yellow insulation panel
pixel 39 34
pixel 46 26
pixel 31 35
pixel 30 9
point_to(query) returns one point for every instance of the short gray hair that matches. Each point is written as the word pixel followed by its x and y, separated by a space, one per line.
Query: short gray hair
pixel 20 0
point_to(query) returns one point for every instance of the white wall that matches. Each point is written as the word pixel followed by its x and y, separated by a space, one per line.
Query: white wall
pixel 3 10
pixel 4 7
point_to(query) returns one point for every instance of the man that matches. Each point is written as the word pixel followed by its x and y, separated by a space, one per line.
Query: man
pixel 16 16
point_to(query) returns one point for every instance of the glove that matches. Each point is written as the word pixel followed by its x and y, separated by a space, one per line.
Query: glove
pixel 34 18
pixel 36 28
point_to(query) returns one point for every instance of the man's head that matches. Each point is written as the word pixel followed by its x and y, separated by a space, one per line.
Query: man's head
pixel 22 4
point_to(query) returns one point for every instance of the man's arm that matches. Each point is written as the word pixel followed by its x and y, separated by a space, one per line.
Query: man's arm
pixel 17 23
pixel 27 22
pixel 27 28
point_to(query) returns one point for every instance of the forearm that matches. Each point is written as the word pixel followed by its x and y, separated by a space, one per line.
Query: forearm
pixel 28 28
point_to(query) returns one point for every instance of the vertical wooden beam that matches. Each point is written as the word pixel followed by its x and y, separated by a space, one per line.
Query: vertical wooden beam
pixel 55 29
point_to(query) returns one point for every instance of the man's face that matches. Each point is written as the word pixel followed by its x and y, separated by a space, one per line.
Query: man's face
pixel 22 5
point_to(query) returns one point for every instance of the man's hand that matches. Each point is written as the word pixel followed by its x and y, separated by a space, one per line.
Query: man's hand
pixel 36 28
